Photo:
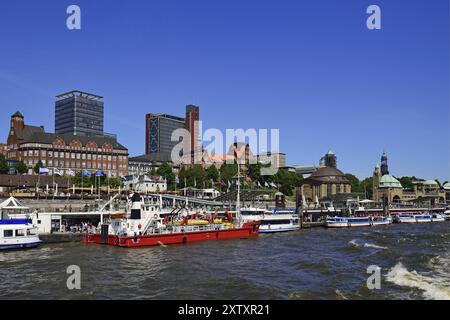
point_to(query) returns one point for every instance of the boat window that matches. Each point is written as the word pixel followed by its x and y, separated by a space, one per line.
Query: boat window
pixel 20 233
pixel 8 233
pixel 275 222
pixel 31 232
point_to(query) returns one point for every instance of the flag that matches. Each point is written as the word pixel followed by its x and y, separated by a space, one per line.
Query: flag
pixel 195 183
pixel 266 184
pixel 99 173
pixel 57 172
pixel 273 185
pixel 229 184
pixel 70 173
pixel 259 184
pixel 43 170
pixel 177 180
pixel 85 173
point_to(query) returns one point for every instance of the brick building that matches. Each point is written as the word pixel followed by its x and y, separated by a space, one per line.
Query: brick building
pixel 64 151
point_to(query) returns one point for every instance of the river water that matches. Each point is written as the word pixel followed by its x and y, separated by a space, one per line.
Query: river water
pixel 308 264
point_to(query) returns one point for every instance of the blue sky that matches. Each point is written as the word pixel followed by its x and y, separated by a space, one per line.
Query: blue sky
pixel 310 68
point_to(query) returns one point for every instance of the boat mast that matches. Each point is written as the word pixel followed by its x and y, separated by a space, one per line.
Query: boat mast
pixel 238 197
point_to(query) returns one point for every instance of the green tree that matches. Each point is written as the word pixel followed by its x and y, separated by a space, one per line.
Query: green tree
pixel 366 186
pixel 166 171
pixel 4 168
pixel 228 172
pixel 287 181
pixel 38 165
pixel 354 182
pixel 212 174
pixel 21 167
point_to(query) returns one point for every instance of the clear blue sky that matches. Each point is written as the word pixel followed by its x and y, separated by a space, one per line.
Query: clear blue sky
pixel 310 68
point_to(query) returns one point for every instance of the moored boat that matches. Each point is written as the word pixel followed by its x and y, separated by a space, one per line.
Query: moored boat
pixel 348 222
pixel 280 220
pixel 146 226
pixel 16 233
pixel 436 217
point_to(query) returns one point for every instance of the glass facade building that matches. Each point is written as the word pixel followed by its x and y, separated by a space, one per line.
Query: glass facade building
pixel 79 113
pixel 159 129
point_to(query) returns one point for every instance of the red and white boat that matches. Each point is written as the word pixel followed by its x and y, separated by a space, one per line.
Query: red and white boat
pixel 148 225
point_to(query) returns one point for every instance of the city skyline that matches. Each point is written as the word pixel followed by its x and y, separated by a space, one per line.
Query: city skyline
pixel 355 91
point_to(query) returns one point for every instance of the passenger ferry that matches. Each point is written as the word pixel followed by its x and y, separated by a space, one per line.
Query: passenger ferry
pixel 348 222
pixel 436 217
pixel 279 220
pixel 413 218
pixel 16 233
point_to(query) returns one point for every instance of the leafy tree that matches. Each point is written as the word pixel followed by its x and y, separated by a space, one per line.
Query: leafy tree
pixel 407 182
pixel 21 167
pixel 287 181
pixel 212 173
pixel 166 171
pixel 366 186
pixel 4 168
pixel 38 165
pixel 228 172
pixel 354 182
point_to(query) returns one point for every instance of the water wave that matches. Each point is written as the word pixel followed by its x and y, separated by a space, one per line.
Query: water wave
pixel 355 243
pixel 434 288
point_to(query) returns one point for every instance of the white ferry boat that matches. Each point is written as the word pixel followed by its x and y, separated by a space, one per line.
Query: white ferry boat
pixel 279 220
pixel 447 215
pixel 16 233
pixel 436 217
pixel 348 222
pixel 413 218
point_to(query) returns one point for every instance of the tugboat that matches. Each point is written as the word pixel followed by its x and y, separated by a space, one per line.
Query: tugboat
pixel 16 234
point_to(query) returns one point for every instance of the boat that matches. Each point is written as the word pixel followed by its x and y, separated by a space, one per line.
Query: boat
pixel 280 220
pixel 447 215
pixel 145 225
pixel 16 233
pixel 348 222
pixel 436 217
pixel 413 218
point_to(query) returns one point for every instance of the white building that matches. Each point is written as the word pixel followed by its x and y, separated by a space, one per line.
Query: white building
pixel 145 184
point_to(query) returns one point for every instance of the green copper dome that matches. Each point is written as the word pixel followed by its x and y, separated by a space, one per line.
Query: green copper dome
pixel 431 183
pixel 388 181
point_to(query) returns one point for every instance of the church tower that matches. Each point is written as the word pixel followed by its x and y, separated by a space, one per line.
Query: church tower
pixel 384 164
pixel 376 183
pixel 17 121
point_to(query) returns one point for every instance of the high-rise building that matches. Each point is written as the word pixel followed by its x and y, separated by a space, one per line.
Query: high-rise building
pixel 158 134
pixel 79 113
pixel 193 126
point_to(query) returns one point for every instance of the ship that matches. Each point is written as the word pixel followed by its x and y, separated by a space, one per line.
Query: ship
pixel 146 224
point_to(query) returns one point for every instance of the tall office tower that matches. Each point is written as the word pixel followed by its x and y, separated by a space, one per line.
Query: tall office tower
pixel 79 113
pixel 158 134
pixel 193 126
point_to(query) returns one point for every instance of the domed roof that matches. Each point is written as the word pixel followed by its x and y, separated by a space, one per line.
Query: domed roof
pixel 388 181
pixel 431 183
pixel 329 175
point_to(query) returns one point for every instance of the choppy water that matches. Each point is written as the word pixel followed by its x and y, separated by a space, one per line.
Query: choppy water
pixel 309 264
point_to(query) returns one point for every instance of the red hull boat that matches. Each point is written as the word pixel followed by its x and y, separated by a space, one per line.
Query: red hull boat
pixel 248 230
pixel 146 225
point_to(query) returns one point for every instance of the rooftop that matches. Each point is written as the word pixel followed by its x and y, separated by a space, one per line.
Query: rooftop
pixel 77 93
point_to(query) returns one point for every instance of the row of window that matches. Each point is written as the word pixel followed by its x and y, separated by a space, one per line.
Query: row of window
pixel 18 233
pixel 72 155
pixel 77 164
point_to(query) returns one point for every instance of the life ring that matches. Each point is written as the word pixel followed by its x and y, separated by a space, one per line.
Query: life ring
pixel 155 216
pixel 139 227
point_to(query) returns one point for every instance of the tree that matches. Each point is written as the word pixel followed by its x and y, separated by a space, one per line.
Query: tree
pixel 354 182
pixel 228 172
pixel 212 173
pixel 4 168
pixel 366 186
pixel 21 167
pixel 38 165
pixel 287 181
pixel 166 171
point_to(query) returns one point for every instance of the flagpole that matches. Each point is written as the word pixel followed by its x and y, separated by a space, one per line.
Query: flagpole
pixel 53 184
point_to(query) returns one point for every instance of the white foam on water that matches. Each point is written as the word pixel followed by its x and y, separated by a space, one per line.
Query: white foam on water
pixel 353 243
pixel 434 288
pixel 371 245
pixel 341 295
